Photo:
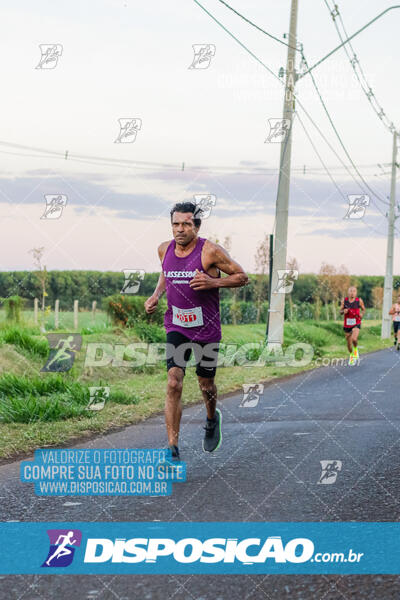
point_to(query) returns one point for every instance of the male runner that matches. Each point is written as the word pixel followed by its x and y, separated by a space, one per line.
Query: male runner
pixel 353 309
pixel 191 278
pixel 395 312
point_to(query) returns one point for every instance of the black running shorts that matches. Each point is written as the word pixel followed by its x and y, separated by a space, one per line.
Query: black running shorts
pixel 348 329
pixel 396 326
pixel 179 351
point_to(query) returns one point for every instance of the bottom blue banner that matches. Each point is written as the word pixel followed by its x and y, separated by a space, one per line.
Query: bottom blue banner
pixel 192 548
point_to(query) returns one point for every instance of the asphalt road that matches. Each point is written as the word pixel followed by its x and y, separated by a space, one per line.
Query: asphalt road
pixel 267 469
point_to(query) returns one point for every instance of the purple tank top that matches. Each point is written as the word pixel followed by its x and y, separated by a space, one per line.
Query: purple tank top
pixel 193 313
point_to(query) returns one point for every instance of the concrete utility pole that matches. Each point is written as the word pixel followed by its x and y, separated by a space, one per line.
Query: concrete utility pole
pixel 277 306
pixel 388 286
pixel 270 256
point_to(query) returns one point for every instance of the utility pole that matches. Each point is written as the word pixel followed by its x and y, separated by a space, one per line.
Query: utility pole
pixel 270 256
pixel 277 304
pixel 388 286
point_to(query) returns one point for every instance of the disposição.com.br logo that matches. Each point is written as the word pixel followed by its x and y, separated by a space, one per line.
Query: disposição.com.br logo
pixel 63 543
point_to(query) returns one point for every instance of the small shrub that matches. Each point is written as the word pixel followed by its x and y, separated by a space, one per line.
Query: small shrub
pixel 11 384
pixel 24 400
pixel 307 333
pixel 225 312
pixel 248 312
pixel 23 340
pixel 127 310
pixel 95 329
pixel 149 332
pixel 375 330
pixel 27 410
pixel 332 327
pixel 13 306
pixel 120 397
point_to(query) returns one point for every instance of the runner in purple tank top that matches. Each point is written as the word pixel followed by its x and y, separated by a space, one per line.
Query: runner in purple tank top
pixel 191 278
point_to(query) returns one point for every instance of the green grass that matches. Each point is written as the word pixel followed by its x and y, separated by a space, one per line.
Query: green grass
pixel 29 344
pixel 66 320
pixel 23 400
pixel 46 409
pixel 149 332
pixel 31 408
pixel 50 398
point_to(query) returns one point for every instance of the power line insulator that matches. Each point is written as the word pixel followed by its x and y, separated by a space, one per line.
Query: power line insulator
pixel 335 12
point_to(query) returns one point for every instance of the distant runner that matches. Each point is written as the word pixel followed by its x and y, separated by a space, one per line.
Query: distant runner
pixel 353 309
pixel 191 278
pixel 395 312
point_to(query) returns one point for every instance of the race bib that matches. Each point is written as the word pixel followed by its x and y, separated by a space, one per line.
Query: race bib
pixel 350 322
pixel 187 317
pixel 396 318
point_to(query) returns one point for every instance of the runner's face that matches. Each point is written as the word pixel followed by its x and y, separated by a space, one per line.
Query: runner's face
pixel 183 228
pixel 352 292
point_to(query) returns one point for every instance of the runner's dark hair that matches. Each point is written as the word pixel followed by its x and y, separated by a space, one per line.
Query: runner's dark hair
pixel 186 207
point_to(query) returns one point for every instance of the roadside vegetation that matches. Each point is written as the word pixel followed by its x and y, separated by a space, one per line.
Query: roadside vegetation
pixel 39 409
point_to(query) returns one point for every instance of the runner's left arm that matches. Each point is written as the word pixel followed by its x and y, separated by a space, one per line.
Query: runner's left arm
pixel 219 258
pixel 362 311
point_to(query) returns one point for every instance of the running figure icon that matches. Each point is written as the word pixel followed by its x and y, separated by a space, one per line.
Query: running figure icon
pixel 62 549
pixel 62 354
pixel 63 348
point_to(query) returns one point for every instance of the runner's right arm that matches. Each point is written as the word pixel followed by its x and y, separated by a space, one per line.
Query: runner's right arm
pixel 151 303
pixel 343 310
pixel 392 310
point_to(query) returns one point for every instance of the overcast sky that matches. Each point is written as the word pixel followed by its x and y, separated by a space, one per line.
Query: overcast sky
pixel 125 59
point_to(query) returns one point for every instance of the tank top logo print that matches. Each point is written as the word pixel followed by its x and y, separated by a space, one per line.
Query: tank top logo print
pixel 179 277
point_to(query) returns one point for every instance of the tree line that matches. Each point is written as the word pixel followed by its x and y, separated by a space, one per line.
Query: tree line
pixel 324 288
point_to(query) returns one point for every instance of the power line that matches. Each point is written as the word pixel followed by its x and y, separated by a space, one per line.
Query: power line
pixel 231 170
pixel 358 70
pixel 316 88
pixel 300 104
pixel 256 26
pixel 89 159
pixel 321 60
pixel 331 147
pixel 330 175
pixel 237 40
pixel 339 137
pixel 142 164
pixel 294 96
pixel 68 156
pixel 320 158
